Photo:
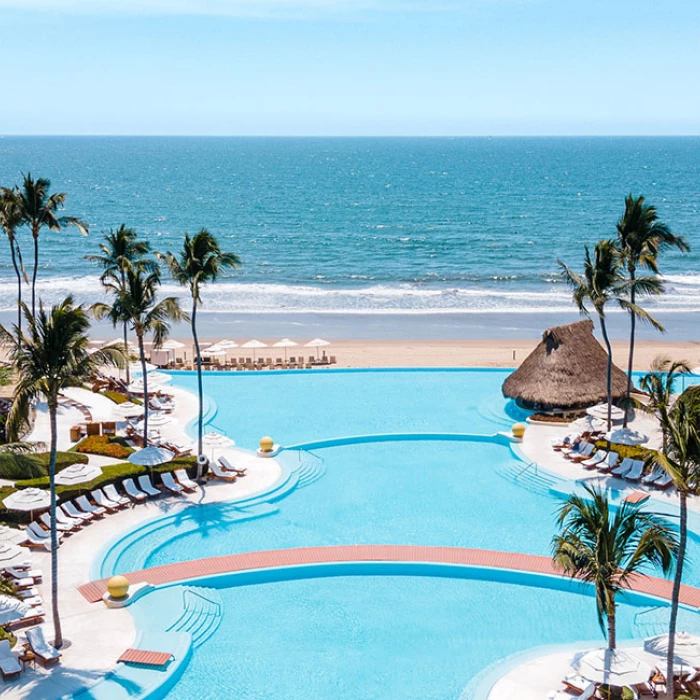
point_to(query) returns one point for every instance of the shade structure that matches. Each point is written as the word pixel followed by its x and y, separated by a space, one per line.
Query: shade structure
pixel 151 456
pixel 28 500
pixel 78 474
pixel 172 344
pixel 12 554
pixel 285 343
pixel 567 370
pixel 686 647
pixel 12 609
pixel 612 667
pixel 157 418
pixel 317 343
pixel 588 424
pixel 254 345
pixel 601 411
pixel 11 535
pixel 128 408
pixel 626 436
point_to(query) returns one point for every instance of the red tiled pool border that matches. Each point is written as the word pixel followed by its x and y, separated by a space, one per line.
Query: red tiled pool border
pixel 276 558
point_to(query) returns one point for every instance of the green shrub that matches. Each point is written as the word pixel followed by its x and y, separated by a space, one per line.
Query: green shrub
pixel 63 459
pixel 631 451
pixel 6 634
pixel 34 464
pixel 105 445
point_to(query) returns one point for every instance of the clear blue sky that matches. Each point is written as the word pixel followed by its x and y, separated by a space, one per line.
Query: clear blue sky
pixel 303 67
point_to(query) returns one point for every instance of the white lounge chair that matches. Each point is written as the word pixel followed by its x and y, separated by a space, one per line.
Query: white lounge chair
pixel 34 541
pixel 147 487
pixel 10 667
pixel 635 474
pixel 609 463
pixel 23 581
pixel 583 453
pixel 575 450
pixel 61 517
pixel 228 466
pixel 103 501
pixel 653 475
pixel 184 480
pixel 132 491
pixel 40 533
pixel 169 483
pixel 23 572
pixel 63 527
pixel 46 653
pixel 221 473
pixel 597 458
pixel 663 481
pixel 71 511
pixel 626 464
pixel 85 505
pixel 111 492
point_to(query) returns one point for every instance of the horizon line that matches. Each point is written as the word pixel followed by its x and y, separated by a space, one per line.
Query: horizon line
pixel 354 136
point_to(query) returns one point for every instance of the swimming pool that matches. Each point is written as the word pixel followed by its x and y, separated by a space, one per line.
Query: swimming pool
pixel 379 635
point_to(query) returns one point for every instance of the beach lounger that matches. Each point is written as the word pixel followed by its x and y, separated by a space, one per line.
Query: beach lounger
pixel 653 475
pixel 33 616
pixel 23 581
pixel 229 467
pixel 184 480
pixel 132 491
pixel 609 463
pixel 584 453
pixel 34 541
pixel 17 572
pixel 147 487
pixel 10 667
pixel 664 481
pixel 71 511
pixel 595 460
pixel 63 527
pixel 167 480
pixel 61 517
pixel 102 500
pixel 635 474
pixel 221 473
pixel 111 492
pixel 624 466
pixel 87 507
pixel 574 683
pixel 46 653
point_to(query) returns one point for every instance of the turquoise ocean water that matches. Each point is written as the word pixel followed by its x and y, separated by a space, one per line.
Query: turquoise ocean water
pixel 367 226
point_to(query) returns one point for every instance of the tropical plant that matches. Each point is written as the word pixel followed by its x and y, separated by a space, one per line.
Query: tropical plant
pixel 641 236
pixel 11 220
pixel 138 305
pixel 51 357
pixel 119 251
pixel 608 547
pixel 680 458
pixel 200 261
pixel 38 209
pixel 660 384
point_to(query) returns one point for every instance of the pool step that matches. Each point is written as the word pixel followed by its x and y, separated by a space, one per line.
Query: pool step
pixel 201 614
pixel 527 476
pixel 492 408
pixel 311 468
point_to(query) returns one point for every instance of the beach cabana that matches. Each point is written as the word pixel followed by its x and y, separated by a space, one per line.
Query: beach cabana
pixel 565 372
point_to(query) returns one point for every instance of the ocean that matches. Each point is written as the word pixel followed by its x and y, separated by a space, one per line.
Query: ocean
pixel 362 230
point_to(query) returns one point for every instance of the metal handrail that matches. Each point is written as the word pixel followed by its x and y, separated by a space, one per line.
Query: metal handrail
pixel 529 466
pixel 215 603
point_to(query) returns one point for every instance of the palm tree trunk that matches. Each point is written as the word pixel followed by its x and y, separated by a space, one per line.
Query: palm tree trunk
pixel 142 355
pixel 612 622
pixel 604 330
pixel 35 233
pixel 630 359
pixel 58 635
pixel 126 340
pixel 200 416
pixel 13 254
pixel 675 594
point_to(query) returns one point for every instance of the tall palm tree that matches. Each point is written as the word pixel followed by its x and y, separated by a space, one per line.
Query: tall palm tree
pixel 49 358
pixel 38 210
pixel 608 547
pixel 138 305
pixel 11 220
pixel 119 251
pixel 659 383
pixel 201 260
pixel 641 236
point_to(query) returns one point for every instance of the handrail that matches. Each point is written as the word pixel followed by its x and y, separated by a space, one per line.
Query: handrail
pixel 192 592
pixel 318 458
pixel 522 471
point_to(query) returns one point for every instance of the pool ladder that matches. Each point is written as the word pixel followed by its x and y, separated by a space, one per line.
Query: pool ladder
pixel 201 614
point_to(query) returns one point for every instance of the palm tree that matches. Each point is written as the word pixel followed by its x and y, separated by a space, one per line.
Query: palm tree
pixel 39 209
pixel 119 251
pixel 608 548
pixel 49 358
pixel 680 458
pixel 659 383
pixel 640 239
pixel 137 304
pixel 201 260
pixel 10 220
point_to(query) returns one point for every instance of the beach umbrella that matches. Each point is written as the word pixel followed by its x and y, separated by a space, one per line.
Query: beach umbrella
pixel 612 667
pixel 151 456
pixel 135 368
pixel 686 647
pixel 216 440
pixel 28 500
pixel 626 436
pixel 128 408
pixel 285 343
pixel 11 535
pixel 12 609
pixel 588 424
pixel 78 474
pixel 12 554
pixel 254 345
pixel 601 411
pixel 227 344
pixel 317 343
pixel 172 344
pixel 159 418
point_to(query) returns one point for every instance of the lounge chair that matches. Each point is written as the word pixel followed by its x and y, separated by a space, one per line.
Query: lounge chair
pixel 34 541
pixel 220 473
pixel 664 481
pixel 102 500
pixel 635 474
pixel 18 572
pixel 653 475
pixel 71 511
pixel 87 507
pixel 147 487
pixel 624 466
pixel 46 653
pixel 595 460
pixel 167 480
pixel 609 463
pixel 9 666
pixel 23 581
pixel 39 532
pixel 63 527
pixel 61 517
pixel 575 447
pixel 33 616
pixel 584 453
pixel 184 480
pixel 576 684
pixel 132 491
pixel 229 467
pixel 111 492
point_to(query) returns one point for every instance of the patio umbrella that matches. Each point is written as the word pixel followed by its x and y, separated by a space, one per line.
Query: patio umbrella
pixel 28 500
pixel 317 343
pixel 12 609
pixel 128 408
pixel 612 667
pixel 151 456
pixel 11 554
pixel 78 474
pixel 285 343
pixel 601 411
pixel 588 424
pixel 159 418
pixel 686 647
pixel 254 345
pixel 227 344
pixel 11 535
pixel 172 344
pixel 216 440
pixel 626 436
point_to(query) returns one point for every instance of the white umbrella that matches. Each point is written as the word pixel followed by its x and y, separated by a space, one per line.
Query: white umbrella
pixel 172 344
pixel 285 343
pixel 159 418
pixel 151 456
pixel 30 499
pixel 11 535
pixel 213 351
pixel 120 341
pixel 128 408
pixel 601 411
pixel 78 474
pixel 686 647
pixel 214 439
pixel 588 424
pixel 135 368
pixel 12 609
pixel 11 554
pixel 317 343
pixel 612 667
pixel 227 344
pixel 159 378
pixel 254 345
pixel 626 436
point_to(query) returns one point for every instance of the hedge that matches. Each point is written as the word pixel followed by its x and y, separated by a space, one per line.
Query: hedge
pixel 105 446
pixel 35 464
pixel 631 451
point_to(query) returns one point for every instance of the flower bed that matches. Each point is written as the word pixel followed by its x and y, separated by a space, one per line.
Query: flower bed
pixel 105 446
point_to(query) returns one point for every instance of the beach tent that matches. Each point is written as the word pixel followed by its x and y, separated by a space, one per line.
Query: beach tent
pixel 567 370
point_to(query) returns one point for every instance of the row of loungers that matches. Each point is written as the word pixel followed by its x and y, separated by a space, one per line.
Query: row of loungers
pixel 45 653
pixel 25 578
pixel 248 363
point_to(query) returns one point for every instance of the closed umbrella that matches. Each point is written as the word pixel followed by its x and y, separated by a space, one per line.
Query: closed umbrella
pixel 611 667
pixel 317 343
pixel 12 609
pixel 254 345
pixel 285 343
pixel 78 474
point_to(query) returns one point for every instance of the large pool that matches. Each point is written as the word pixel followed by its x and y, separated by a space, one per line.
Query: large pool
pixel 374 636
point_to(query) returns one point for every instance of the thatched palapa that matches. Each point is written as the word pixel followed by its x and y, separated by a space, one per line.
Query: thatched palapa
pixel 567 370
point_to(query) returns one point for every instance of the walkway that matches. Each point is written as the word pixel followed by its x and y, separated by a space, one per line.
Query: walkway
pixel 529 563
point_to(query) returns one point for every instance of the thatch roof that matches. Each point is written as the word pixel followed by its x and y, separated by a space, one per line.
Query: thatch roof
pixel 566 370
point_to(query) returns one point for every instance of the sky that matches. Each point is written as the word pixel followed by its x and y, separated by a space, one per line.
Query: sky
pixel 350 67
